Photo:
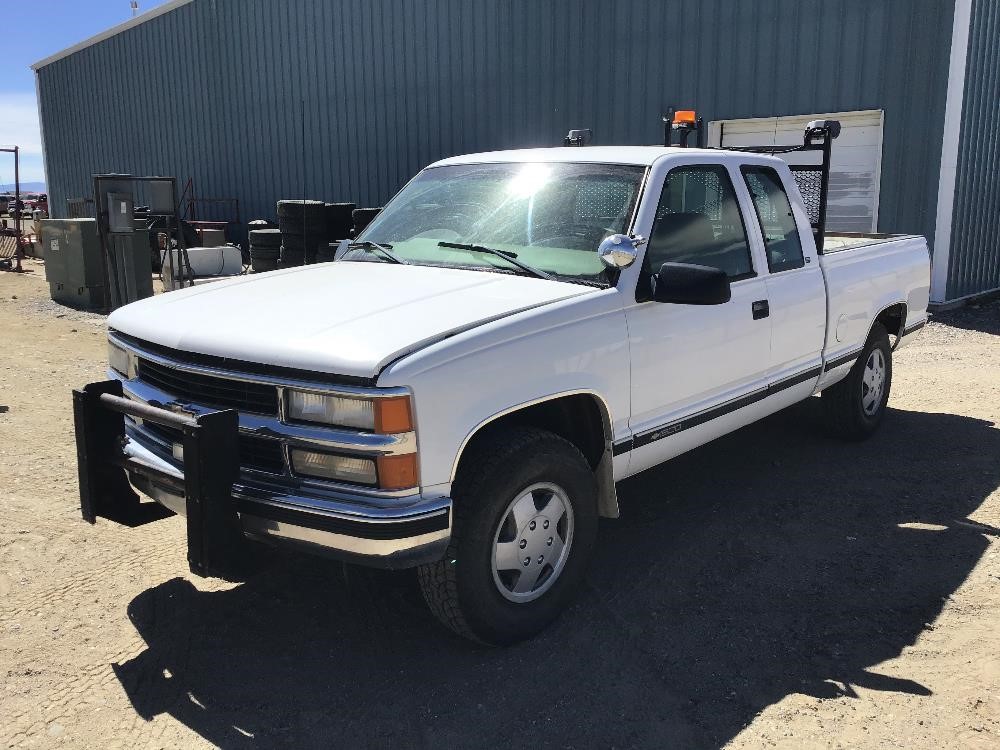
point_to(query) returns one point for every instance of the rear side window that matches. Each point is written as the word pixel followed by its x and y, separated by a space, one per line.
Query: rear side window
pixel 781 235
pixel 698 220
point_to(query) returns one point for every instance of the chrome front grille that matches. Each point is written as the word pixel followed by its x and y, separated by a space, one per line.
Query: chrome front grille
pixel 198 384
pixel 210 390
pixel 261 454
pixel 256 454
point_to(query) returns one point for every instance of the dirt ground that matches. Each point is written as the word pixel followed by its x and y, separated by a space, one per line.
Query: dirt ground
pixel 773 589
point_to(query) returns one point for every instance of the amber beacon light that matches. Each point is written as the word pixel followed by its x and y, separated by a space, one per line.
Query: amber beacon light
pixel 685 117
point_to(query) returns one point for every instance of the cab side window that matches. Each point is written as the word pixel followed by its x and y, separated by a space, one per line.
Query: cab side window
pixel 781 235
pixel 698 220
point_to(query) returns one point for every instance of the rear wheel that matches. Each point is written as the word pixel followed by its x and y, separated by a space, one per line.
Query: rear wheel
pixel 524 526
pixel 854 407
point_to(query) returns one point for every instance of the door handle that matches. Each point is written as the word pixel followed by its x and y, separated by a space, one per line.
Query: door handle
pixel 761 309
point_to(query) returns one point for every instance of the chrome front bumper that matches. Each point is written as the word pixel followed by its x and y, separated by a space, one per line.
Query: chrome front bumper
pixel 270 500
pixel 343 526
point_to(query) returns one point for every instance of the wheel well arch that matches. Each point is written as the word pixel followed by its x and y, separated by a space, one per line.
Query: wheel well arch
pixel 893 317
pixel 581 417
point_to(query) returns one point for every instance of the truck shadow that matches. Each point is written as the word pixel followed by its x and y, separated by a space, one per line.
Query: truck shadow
pixel 773 561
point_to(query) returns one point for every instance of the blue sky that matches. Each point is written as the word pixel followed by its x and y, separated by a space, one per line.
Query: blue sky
pixel 49 26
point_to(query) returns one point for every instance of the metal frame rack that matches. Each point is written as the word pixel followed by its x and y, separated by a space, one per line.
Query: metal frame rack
pixel 16 232
pixel 813 180
pixel 110 227
pixel 191 205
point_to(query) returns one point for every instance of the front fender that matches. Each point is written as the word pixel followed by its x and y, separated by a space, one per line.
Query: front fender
pixel 579 345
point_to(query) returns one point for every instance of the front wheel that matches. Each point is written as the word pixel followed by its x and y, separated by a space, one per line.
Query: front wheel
pixel 525 521
pixel 854 407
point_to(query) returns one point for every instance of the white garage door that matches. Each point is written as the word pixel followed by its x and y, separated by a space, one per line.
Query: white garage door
pixel 856 160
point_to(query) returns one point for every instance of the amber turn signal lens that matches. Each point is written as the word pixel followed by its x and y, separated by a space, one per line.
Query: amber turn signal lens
pixel 685 117
pixel 397 472
pixel 393 415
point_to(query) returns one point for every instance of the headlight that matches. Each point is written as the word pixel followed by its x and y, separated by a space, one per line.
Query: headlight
pixel 333 410
pixel 382 415
pixel 330 466
pixel 387 472
pixel 120 360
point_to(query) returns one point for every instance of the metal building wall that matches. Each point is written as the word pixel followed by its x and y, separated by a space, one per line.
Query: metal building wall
pixel 345 99
pixel 974 259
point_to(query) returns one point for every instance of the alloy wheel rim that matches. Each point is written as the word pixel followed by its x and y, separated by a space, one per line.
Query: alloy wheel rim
pixel 532 542
pixel 873 382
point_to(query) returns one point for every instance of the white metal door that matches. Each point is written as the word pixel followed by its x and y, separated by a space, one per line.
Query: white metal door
pixel 795 287
pixel 856 159
pixel 692 365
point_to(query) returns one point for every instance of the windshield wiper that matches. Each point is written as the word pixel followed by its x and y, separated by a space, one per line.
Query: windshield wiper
pixel 505 254
pixel 384 249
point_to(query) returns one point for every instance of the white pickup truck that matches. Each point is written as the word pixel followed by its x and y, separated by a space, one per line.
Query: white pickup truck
pixel 516 332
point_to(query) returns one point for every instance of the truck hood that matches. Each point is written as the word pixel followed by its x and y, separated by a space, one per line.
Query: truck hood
pixel 344 318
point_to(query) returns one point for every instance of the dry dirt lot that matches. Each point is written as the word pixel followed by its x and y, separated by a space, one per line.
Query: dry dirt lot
pixel 775 588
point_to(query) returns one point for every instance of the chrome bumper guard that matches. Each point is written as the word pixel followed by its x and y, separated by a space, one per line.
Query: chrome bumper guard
pixel 221 511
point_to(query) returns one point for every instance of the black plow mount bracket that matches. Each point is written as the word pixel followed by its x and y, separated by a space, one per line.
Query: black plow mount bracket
pixel 215 542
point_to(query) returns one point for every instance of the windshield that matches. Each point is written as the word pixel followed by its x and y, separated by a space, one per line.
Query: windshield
pixel 550 217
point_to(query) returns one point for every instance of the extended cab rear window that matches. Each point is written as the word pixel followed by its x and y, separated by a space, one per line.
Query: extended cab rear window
pixel 774 212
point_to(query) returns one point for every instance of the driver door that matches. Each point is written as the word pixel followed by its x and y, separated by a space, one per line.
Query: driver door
pixel 694 365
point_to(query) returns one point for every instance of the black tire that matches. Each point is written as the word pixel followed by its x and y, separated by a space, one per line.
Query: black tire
pixel 264 237
pixel 297 209
pixel 294 242
pixel 460 589
pixel 263 265
pixel 290 226
pixel 265 253
pixel 308 228
pixel 363 217
pixel 291 257
pixel 339 220
pixel 315 231
pixel 326 253
pixel 844 403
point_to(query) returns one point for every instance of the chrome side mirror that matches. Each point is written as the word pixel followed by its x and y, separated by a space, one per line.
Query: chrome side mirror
pixel 619 250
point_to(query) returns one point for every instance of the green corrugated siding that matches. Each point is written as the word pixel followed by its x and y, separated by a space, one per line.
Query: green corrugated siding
pixel 346 99
pixel 974 258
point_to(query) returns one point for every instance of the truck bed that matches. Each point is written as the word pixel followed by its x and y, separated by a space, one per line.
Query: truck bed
pixel 866 274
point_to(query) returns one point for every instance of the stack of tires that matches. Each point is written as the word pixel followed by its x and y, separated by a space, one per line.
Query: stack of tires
pixel 265 248
pixel 339 226
pixel 363 217
pixel 303 231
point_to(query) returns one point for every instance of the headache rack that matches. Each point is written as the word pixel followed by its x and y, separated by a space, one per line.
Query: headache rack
pixel 813 180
